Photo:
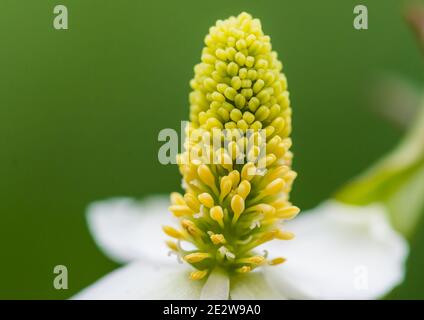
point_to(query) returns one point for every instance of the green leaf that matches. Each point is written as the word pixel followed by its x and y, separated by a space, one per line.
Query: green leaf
pixel 397 181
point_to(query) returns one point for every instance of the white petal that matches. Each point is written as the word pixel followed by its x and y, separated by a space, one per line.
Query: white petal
pixel 217 286
pixel 128 230
pixel 144 281
pixel 253 286
pixel 340 252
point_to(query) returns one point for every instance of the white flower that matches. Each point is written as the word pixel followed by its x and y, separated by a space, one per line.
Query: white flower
pixel 340 252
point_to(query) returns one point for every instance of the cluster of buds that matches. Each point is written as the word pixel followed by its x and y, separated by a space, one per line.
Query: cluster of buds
pixel 237 186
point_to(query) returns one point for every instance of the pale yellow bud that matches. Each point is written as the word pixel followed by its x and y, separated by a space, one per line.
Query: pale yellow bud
pixel 180 210
pixel 217 239
pixel 244 189
pixel 277 261
pixel 237 204
pixel 244 269
pixel 196 257
pixel 274 187
pixel 226 185
pixel 206 199
pixel 235 177
pixel 288 213
pixel 206 175
pixel 217 214
pixel 198 275
pixel 172 245
pixel 192 202
pixel 284 235
pixel 177 198
pixel 172 232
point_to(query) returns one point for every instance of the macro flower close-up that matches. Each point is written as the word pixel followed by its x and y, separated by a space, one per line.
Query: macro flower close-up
pixel 240 152
pixel 232 230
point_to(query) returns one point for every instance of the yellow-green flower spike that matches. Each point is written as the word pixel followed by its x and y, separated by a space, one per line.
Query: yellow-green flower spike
pixel 232 204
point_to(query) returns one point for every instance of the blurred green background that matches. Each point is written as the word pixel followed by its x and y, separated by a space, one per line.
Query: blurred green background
pixel 80 111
